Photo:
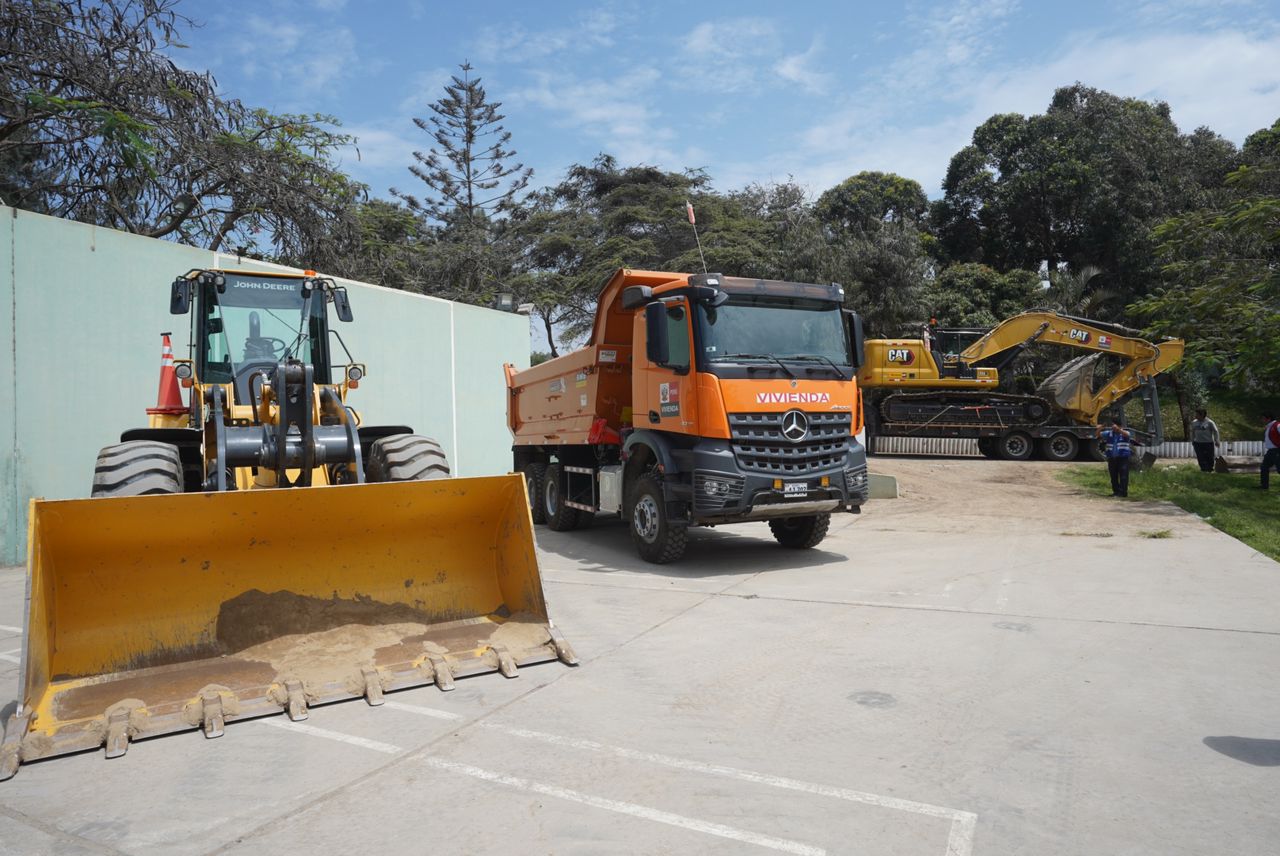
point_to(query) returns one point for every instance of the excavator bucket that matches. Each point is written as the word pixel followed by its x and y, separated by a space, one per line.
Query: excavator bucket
pixel 155 614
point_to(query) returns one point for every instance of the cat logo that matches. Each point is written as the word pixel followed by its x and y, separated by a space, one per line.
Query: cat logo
pixel 906 356
pixel 1081 336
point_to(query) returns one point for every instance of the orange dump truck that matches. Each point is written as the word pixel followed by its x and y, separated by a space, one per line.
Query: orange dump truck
pixel 701 400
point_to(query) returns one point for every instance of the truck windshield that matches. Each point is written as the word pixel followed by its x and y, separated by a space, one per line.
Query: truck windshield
pixel 256 320
pixel 765 327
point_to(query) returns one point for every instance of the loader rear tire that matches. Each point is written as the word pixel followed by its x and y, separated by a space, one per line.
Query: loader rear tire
pixel 800 533
pixel 535 476
pixel 658 538
pixel 560 517
pixel 406 457
pixel 137 468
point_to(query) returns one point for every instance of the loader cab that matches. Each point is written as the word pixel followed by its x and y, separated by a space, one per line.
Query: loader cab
pixel 245 325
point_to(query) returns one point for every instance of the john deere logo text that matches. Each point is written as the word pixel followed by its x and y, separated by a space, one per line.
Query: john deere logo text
pixel 906 356
pixel 1079 335
pixel 793 397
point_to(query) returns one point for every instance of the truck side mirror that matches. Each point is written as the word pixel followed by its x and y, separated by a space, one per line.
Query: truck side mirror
pixel 180 296
pixel 857 341
pixel 635 296
pixel 657 346
pixel 341 304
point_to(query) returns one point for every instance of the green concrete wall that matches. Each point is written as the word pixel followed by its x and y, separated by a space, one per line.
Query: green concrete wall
pixel 83 308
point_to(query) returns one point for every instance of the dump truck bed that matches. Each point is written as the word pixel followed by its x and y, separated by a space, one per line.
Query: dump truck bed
pixel 156 614
pixel 558 401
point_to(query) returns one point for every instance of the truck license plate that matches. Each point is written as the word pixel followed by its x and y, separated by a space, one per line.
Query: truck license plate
pixel 795 489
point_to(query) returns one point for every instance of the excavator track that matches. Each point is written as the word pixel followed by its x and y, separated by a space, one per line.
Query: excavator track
pixel 969 409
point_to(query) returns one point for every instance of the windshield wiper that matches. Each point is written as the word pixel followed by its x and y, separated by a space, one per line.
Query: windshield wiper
pixel 780 363
pixel 834 367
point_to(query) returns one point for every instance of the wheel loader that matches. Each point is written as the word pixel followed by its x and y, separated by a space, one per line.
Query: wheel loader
pixel 265 549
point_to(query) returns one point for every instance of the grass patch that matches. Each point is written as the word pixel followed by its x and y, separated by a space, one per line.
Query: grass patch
pixel 1239 416
pixel 1228 502
pixel 1086 534
pixel 1155 533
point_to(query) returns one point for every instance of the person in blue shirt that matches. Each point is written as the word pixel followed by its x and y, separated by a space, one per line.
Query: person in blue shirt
pixel 1119 448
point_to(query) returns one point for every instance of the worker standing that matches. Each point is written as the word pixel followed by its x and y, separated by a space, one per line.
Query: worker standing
pixel 1270 450
pixel 1205 439
pixel 1119 448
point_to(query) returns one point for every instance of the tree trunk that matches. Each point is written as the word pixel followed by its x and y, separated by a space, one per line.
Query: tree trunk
pixel 551 339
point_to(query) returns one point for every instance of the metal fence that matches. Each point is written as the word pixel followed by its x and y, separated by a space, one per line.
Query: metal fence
pixel 959 447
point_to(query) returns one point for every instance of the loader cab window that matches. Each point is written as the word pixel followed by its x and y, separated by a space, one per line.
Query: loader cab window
pixel 254 324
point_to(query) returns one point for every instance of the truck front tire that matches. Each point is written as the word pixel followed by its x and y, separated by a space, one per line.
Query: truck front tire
pixel 800 533
pixel 658 538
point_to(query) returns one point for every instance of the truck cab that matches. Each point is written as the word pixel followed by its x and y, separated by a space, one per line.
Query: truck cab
pixel 701 400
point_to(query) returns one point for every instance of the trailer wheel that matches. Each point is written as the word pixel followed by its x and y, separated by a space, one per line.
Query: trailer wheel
pixel 535 476
pixel 1093 450
pixel 1060 447
pixel 658 538
pixel 987 446
pixel 137 468
pixel 1015 446
pixel 559 517
pixel 406 457
pixel 800 533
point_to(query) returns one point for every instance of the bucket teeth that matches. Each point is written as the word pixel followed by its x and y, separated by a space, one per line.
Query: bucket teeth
pixel 372 686
pixel 506 663
pixel 117 733
pixel 443 674
pixel 211 717
pixel 297 701
pixel 563 649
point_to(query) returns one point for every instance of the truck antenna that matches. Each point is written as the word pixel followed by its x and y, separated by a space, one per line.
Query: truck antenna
pixel 693 221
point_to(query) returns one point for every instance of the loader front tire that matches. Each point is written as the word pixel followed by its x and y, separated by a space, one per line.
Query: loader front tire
pixel 559 517
pixel 406 457
pixel 137 468
pixel 658 538
pixel 800 533
pixel 535 476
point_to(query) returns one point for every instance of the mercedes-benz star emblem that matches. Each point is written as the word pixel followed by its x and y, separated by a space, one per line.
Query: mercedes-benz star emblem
pixel 795 426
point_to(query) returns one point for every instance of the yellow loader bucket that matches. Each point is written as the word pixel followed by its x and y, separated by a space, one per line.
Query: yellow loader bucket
pixel 155 614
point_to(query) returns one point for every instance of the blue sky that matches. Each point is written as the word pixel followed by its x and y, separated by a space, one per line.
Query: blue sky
pixel 751 91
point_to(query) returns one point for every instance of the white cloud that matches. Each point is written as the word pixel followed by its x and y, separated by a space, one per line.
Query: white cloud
pixel 797 68
pixel 289 54
pixel 726 55
pixel 330 5
pixel 427 88
pixel 1227 80
pixel 514 43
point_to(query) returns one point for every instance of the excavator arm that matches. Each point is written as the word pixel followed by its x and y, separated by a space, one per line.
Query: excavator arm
pixel 1071 386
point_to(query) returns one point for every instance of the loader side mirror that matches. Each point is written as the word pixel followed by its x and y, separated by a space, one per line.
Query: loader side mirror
pixel 180 297
pixel 341 304
pixel 857 341
pixel 657 345
pixel 636 296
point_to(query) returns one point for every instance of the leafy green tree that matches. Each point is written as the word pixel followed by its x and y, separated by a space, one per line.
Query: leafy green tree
pixel 1221 267
pixel 1081 184
pixel 975 295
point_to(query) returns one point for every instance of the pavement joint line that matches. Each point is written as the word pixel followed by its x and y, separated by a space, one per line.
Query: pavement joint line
pixel 963 823
pixel 927 607
pixel 7 628
pixel 8 655
pixel 633 809
pixel 56 833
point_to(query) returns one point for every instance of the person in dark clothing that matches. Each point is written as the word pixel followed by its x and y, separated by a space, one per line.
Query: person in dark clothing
pixel 1205 439
pixel 1119 448
pixel 1270 450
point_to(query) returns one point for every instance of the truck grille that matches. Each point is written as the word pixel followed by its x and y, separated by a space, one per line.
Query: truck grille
pixel 760 447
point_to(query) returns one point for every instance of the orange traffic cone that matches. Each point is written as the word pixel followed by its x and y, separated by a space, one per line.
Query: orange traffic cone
pixel 169 398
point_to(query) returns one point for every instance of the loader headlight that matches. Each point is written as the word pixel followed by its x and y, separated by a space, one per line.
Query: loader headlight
pixel 354 373
pixel 183 371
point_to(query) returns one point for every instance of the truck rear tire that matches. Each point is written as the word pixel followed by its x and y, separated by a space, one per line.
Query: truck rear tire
pixel 559 517
pixel 137 468
pixel 1060 447
pixel 406 457
pixel 657 537
pixel 800 533
pixel 1015 446
pixel 535 476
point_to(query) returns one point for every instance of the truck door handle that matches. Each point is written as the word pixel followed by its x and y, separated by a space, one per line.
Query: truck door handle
pixel 654 417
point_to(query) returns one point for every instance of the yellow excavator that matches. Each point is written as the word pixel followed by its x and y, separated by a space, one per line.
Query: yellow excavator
pixel 264 549
pixel 946 384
